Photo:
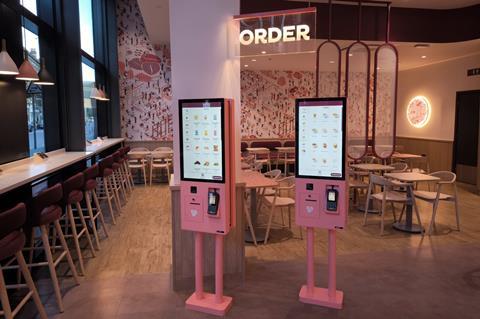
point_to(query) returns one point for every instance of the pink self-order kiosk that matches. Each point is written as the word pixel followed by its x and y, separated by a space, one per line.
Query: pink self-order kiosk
pixel 207 188
pixel 321 186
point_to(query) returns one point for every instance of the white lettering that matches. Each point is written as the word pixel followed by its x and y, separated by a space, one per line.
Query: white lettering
pixel 273 35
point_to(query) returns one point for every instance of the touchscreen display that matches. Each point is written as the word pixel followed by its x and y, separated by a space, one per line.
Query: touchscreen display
pixel 202 141
pixel 320 138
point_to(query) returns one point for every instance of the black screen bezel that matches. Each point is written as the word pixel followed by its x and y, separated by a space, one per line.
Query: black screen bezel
pixel 222 125
pixel 344 133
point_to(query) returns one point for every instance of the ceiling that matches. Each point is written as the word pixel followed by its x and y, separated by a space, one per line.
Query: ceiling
pixel 409 56
pixel 156 18
pixel 424 4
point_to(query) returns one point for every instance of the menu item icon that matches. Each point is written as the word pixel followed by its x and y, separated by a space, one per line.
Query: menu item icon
pixel 215 148
pixel 197 163
pixel 207 163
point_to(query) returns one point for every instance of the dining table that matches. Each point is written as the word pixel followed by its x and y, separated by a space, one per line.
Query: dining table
pixel 286 150
pixel 410 179
pixel 253 181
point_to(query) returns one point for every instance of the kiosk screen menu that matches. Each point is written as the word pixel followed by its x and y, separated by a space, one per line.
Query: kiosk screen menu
pixel 202 140
pixel 320 138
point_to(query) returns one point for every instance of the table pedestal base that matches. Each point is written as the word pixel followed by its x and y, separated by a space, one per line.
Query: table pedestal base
pixel 259 235
pixel 208 304
pixel 414 229
pixel 320 297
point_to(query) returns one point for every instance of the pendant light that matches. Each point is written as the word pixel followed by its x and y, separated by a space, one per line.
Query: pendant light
pixel 27 72
pixel 7 66
pixel 95 93
pixel 44 76
pixel 104 95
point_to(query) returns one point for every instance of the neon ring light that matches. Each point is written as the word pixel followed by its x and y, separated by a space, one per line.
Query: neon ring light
pixel 419 111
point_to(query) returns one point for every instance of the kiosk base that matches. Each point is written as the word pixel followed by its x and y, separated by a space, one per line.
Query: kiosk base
pixel 208 304
pixel 320 297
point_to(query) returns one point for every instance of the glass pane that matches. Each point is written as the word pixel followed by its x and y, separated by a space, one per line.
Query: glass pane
pixel 385 99
pixel 36 135
pixel 90 105
pixel 358 57
pixel 30 5
pixel 329 57
pixel 86 26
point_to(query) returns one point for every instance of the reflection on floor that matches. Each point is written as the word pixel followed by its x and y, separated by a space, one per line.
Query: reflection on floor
pixel 394 276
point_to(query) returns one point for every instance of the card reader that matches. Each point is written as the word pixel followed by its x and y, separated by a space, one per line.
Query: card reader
pixel 213 201
pixel 332 200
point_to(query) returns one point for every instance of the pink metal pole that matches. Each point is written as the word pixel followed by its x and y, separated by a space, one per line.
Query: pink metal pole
pixel 332 267
pixel 199 265
pixel 310 262
pixel 218 268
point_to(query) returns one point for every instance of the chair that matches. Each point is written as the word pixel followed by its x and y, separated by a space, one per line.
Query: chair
pixel 161 159
pixel 248 162
pixel 257 166
pixel 12 241
pixel 384 196
pixel 268 191
pixel 434 198
pixel 105 185
pixel 399 167
pixel 420 165
pixel 89 193
pixel 356 183
pixel 278 201
pixel 139 161
pixel 44 212
pixel 72 196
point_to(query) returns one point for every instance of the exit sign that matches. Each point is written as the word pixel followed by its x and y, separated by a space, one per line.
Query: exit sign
pixel 473 72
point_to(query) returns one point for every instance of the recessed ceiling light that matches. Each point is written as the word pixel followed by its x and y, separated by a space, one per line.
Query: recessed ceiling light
pixel 423 56
pixel 246 65
pixel 421 45
pixel 264 52
pixel 350 54
pixel 254 60
pixel 332 62
pixel 378 68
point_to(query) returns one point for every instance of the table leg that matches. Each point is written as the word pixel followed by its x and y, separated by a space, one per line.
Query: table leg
pixel 408 226
pixel 259 233
pixel 285 165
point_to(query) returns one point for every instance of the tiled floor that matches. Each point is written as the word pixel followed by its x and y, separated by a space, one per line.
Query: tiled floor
pixel 436 277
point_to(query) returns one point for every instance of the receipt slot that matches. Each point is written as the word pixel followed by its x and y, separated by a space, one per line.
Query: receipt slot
pixel 207 188
pixel 321 186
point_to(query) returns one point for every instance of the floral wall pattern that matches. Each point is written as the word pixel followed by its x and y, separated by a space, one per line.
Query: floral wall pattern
pixel 145 86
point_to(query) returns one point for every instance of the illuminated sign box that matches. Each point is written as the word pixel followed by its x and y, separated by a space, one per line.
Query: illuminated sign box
pixel 276 32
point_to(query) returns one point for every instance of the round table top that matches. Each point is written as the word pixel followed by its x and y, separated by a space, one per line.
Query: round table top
pixel 372 167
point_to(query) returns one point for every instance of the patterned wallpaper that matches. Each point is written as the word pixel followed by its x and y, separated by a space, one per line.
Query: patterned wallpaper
pixel 145 86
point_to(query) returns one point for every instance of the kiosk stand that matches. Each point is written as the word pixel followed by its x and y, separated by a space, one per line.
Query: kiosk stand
pixel 207 188
pixel 321 186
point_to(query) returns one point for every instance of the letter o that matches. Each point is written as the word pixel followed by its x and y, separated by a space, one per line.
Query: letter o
pixel 250 37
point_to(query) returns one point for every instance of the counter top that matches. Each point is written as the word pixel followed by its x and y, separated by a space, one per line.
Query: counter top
pixel 18 173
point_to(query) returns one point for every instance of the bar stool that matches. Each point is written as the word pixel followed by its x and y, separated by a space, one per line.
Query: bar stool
pixel 125 151
pixel 72 196
pixel 120 179
pixel 106 191
pixel 89 193
pixel 124 163
pixel 12 242
pixel 46 210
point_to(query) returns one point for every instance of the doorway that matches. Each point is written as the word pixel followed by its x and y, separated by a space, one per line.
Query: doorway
pixel 465 147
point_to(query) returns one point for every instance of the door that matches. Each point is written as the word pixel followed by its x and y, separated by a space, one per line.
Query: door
pixel 465 148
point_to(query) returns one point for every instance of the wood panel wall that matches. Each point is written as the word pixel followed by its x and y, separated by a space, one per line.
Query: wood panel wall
pixel 439 152
pixel 183 249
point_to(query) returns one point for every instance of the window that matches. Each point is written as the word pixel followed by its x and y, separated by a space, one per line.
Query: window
pixel 36 133
pixel 30 5
pixel 86 26
pixel 90 105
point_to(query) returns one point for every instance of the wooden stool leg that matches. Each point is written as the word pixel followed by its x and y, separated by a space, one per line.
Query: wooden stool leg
pixel 121 185
pixel 106 187
pixel 51 267
pixel 92 219
pixel 7 310
pixel 116 197
pixel 63 242
pixel 100 212
pixel 75 239
pixel 31 285
pixel 84 226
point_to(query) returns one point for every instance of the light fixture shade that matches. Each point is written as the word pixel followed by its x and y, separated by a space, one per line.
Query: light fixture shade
pixel 7 66
pixel 27 72
pixel 105 96
pixel 44 76
pixel 94 94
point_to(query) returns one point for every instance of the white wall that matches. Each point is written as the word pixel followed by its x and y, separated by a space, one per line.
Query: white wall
pixel 202 66
pixel 439 83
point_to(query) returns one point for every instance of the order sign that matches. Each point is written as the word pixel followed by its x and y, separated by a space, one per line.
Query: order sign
pixel 202 142
pixel 320 139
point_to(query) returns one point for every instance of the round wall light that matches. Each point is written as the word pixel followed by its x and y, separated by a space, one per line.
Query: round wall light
pixel 419 111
